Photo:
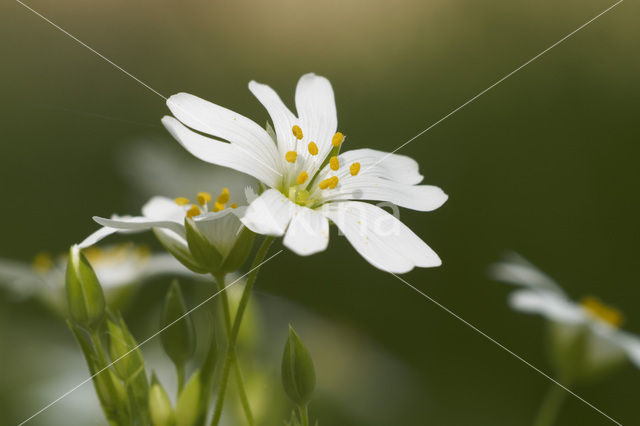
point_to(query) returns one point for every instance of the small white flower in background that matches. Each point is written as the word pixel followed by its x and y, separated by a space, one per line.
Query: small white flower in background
pixel 585 336
pixel 216 221
pixel 117 267
pixel 309 181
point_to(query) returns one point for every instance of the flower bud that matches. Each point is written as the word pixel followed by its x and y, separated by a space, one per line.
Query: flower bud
pixel 178 339
pixel 188 406
pixel 84 293
pixel 159 404
pixel 124 351
pixel 298 375
pixel 202 250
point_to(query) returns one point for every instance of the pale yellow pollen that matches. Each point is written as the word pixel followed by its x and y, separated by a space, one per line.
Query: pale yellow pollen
pixel 334 182
pixel 223 198
pixel 234 206
pixel 354 169
pixel 337 139
pixel 599 310
pixel 181 201
pixel 334 163
pixel 291 156
pixel 302 177
pixel 193 211
pixel 297 132
pixel 203 198
pixel 313 148
pixel 330 183
pixel 42 262
pixel 217 206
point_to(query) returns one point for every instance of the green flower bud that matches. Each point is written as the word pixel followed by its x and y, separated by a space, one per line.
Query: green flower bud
pixel 159 404
pixel 188 406
pixel 298 375
pixel 202 250
pixel 238 254
pixel 127 357
pixel 178 340
pixel 84 293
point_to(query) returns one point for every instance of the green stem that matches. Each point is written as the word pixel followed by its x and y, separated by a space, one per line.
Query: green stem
pixel 550 408
pixel 233 335
pixel 244 399
pixel 304 415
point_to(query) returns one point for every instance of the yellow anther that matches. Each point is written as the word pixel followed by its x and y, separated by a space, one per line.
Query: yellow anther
pixel 203 198
pixel 217 206
pixel 291 156
pixel 337 139
pixel 302 177
pixel 297 132
pixel 354 169
pixel 334 182
pixel 42 262
pixel 234 206
pixel 334 163
pixel 223 198
pixel 599 310
pixel 313 148
pixel 143 252
pixel 324 184
pixel 193 211
pixel 181 201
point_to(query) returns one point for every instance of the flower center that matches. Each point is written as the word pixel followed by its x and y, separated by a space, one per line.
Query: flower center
pixel 602 312
pixel 203 200
pixel 298 186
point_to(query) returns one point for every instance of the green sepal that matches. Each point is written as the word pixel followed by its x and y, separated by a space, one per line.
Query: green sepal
pixel 298 373
pixel 239 252
pixel 182 255
pixel 201 248
pixel 160 410
pixel 84 293
pixel 178 333
pixel 188 408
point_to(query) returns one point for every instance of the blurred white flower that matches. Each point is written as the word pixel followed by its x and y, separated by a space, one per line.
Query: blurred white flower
pixel 309 182
pixel 589 325
pixel 220 227
pixel 117 267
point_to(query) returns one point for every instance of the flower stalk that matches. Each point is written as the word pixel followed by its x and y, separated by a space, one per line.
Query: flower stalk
pixel 233 332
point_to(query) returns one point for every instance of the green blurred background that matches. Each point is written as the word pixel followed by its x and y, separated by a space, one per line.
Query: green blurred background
pixel 545 164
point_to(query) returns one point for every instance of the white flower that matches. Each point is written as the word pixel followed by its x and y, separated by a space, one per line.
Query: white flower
pixel 309 182
pixel 220 228
pixel 542 295
pixel 116 267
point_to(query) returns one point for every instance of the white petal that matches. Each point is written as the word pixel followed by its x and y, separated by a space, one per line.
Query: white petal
pixel 416 197
pixel 220 228
pixel 517 270
pixel 631 344
pixel 548 304
pixel 380 238
pixel 163 208
pixel 223 123
pixel 282 118
pixel 97 236
pixel 222 153
pixel 269 214
pixel 140 223
pixel 317 111
pixel 308 232
pixel 398 168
